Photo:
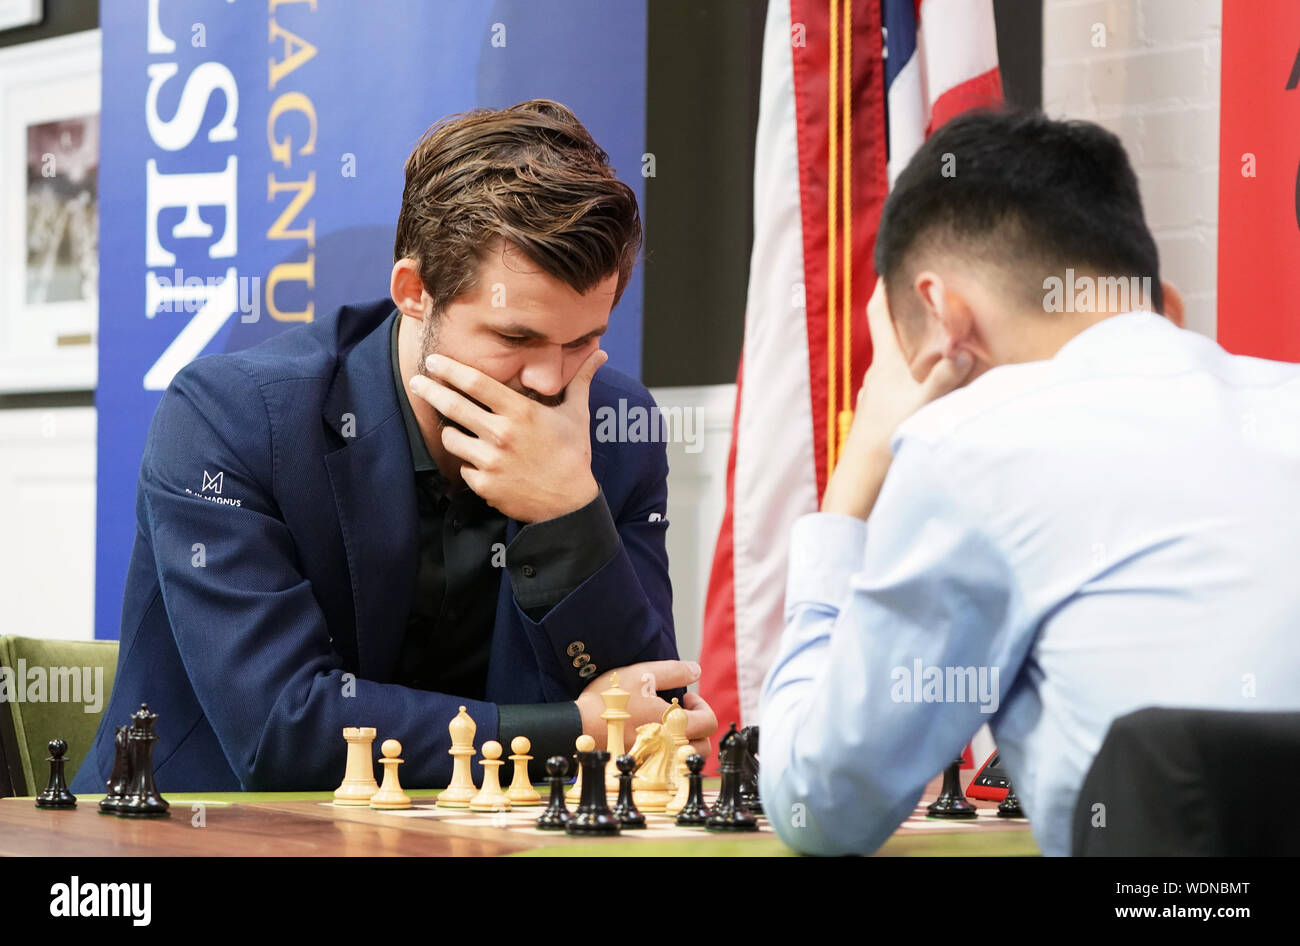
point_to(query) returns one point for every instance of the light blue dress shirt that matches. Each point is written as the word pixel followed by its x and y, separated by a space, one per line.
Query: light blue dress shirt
pixel 1055 545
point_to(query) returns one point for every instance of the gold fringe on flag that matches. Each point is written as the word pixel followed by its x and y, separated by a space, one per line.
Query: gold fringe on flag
pixel 839 234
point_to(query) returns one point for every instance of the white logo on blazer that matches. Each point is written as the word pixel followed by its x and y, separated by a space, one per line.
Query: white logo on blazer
pixel 212 482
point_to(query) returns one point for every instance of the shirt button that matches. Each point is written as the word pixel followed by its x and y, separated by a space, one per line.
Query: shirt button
pixel 529 571
pixel 455 525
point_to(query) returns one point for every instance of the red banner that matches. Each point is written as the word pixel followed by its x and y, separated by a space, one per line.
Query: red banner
pixel 1259 179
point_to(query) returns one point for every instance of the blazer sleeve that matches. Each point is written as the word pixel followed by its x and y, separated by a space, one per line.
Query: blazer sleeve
pixel 253 639
pixel 623 613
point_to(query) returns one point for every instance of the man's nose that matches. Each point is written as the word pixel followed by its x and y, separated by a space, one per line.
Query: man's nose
pixel 544 371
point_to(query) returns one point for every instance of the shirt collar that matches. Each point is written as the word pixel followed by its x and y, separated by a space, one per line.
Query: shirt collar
pixel 1111 329
pixel 420 456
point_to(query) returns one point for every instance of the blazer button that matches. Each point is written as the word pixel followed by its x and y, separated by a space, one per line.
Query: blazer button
pixel 587 671
pixel 575 648
pixel 529 571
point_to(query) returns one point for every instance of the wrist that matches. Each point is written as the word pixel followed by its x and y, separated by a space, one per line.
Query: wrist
pixel 589 712
pixel 573 500
pixel 856 482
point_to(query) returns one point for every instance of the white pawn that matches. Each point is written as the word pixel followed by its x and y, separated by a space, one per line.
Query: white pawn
pixel 521 792
pixel 390 794
pixel 490 796
pixel 584 743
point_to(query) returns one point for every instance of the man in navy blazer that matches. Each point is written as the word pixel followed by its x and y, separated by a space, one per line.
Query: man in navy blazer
pixel 410 505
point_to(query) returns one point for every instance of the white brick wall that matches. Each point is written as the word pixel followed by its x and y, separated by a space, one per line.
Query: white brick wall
pixel 1155 84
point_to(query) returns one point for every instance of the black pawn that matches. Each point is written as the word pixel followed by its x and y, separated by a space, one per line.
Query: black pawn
pixel 625 808
pixel 729 812
pixel 556 815
pixel 593 816
pixel 141 797
pixel 1010 807
pixel 951 802
pixel 56 794
pixel 749 770
pixel 694 813
pixel 116 788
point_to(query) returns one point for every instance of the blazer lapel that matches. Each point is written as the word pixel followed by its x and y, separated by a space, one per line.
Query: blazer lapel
pixel 374 492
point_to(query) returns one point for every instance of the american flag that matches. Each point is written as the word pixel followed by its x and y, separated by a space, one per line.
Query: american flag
pixel 850 88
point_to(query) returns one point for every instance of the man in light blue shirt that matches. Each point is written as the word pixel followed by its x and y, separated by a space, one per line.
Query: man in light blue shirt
pixel 1054 506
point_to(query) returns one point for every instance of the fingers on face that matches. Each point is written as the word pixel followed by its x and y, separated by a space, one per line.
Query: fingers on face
pixel 589 367
pixel 474 383
pixel 453 404
pixel 470 449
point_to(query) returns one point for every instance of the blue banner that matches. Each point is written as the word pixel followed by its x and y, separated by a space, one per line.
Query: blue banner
pixel 252 169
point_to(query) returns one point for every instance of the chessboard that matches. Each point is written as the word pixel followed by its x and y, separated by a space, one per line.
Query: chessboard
pixel 296 824
pixel 522 820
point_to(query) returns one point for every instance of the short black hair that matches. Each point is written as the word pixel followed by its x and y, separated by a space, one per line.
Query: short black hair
pixel 1022 192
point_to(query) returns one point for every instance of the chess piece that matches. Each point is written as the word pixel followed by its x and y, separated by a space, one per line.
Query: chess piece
pixel 749 770
pixel 654 759
pixel 625 809
pixel 359 777
pixel 593 816
pixel 461 789
pixel 521 792
pixel 1010 806
pixel 729 812
pixel 951 802
pixel 682 775
pixel 115 790
pixel 390 795
pixel 615 700
pixel 674 721
pixel 556 815
pixel 490 797
pixel 694 813
pixel 141 798
pixel 583 743
pixel 56 794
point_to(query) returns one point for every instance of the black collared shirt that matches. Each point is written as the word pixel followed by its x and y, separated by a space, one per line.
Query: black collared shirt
pixel 448 637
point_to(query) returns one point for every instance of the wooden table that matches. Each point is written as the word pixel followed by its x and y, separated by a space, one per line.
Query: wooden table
pixel 298 824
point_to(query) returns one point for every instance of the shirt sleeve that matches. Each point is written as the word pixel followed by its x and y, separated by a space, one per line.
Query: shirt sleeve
pixel 900 641
pixel 551 728
pixel 548 559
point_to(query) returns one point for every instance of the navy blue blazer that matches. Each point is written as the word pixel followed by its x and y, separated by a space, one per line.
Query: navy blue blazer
pixel 270 580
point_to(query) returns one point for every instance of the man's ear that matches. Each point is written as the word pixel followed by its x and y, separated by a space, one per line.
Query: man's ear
pixel 407 289
pixel 1173 303
pixel 950 322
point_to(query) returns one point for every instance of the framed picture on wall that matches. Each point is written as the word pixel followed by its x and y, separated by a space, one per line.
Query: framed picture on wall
pixel 49 227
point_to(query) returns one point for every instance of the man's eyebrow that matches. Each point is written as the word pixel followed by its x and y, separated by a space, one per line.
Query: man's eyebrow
pixel 515 328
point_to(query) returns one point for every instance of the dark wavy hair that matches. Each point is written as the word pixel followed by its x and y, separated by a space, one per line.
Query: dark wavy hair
pixel 530 174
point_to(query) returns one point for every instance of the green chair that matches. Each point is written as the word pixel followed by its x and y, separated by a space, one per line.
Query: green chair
pixel 49 689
